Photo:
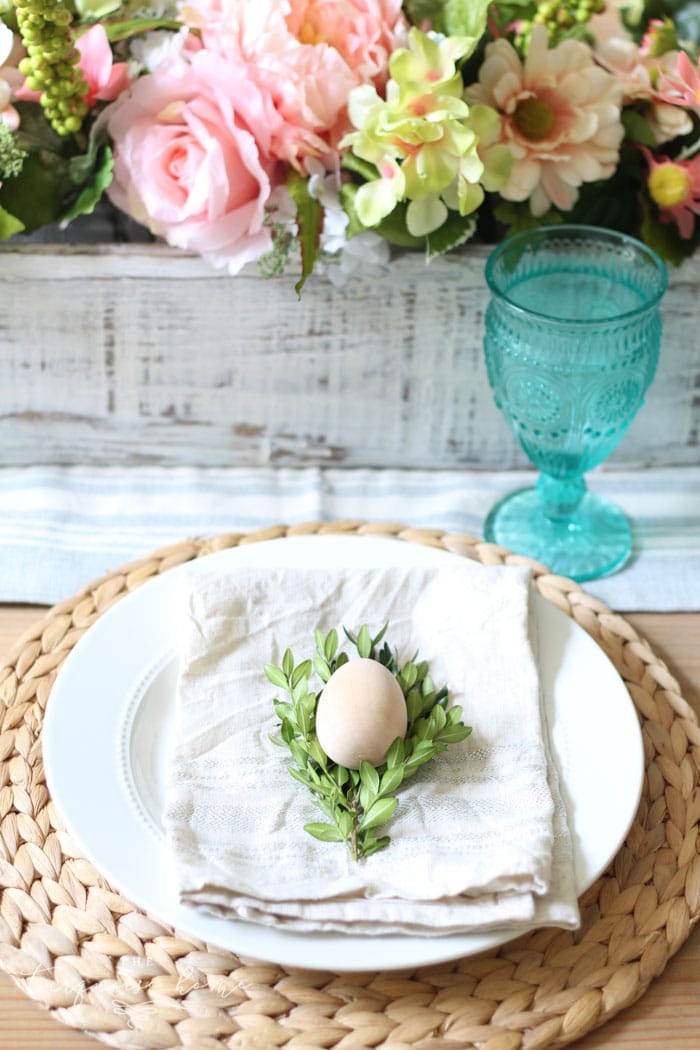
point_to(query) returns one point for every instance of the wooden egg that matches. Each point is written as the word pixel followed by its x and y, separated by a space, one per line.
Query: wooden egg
pixel 360 713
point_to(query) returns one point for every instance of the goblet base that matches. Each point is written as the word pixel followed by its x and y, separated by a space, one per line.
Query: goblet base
pixel 593 542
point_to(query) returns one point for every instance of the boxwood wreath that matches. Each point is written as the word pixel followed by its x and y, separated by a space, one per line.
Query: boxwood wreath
pixel 357 802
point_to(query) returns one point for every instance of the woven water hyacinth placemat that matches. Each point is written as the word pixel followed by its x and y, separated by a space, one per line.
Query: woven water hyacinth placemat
pixel 101 965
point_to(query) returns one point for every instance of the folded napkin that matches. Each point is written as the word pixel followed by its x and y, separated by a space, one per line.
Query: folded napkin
pixel 480 836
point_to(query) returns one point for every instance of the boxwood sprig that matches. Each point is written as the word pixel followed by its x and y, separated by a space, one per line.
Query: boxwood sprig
pixel 357 802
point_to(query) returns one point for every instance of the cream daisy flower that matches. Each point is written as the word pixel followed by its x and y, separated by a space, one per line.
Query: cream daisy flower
pixel 560 118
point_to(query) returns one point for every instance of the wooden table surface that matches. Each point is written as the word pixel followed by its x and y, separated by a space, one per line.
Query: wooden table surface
pixel 666 1018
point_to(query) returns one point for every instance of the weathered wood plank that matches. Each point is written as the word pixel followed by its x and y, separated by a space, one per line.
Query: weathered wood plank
pixel 133 354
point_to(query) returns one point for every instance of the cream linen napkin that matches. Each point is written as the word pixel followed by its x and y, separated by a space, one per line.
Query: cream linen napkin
pixel 480 835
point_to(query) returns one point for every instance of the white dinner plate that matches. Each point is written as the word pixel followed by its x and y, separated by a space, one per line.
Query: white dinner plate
pixel 109 715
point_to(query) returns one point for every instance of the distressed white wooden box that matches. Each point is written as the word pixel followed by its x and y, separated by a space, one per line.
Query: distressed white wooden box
pixel 138 354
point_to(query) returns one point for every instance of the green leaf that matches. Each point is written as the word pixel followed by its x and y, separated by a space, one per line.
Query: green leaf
pixel 127 27
pixel 330 646
pixel 408 676
pixel 364 642
pixel 301 776
pixel 369 776
pixel 299 753
pixel 34 199
pixel 456 230
pixel 288 662
pixel 360 167
pixel 379 813
pixel 302 671
pixel 317 752
pixel 374 845
pixel 309 219
pixel 414 705
pixel 395 754
pixel 276 676
pixel 637 127
pixel 432 11
pixel 391 780
pixel 465 17
pixel 322 669
pixel 341 775
pixel 453 734
pixel 437 719
pixel 324 832
pixel 9 225
pixel 283 710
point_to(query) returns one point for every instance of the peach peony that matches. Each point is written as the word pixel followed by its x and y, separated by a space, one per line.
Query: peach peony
pixel 192 158
pixel 308 55
pixel 560 118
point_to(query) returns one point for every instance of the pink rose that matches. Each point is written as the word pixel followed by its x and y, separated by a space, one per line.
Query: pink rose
pixel 308 55
pixel 192 157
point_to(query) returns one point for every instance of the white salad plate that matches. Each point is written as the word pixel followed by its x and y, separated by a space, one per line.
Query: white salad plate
pixel 110 714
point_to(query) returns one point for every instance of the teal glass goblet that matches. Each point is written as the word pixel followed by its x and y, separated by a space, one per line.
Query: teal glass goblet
pixel 573 331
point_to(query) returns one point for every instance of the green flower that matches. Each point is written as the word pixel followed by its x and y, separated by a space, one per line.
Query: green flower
pixel 429 147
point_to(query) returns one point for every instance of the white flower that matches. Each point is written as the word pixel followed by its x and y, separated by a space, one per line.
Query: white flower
pixel 366 254
pixel 560 118
pixel 152 49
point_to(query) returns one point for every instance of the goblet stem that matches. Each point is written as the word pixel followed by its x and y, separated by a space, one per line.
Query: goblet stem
pixel 560 497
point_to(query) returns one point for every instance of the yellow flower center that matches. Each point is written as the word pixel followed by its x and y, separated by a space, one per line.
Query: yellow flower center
pixel 669 185
pixel 309 34
pixel 534 118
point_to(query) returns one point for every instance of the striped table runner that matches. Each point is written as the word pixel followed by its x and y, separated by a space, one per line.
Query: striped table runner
pixel 61 527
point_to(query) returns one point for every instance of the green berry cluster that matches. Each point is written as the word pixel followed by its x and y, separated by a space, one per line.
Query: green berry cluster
pixel 51 65
pixel 559 17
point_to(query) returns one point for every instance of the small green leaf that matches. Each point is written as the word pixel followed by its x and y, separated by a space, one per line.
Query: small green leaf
pixel 364 642
pixel 453 734
pixel 317 752
pixel 303 670
pixel 284 711
pixel 414 705
pixel 301 776
pixel 391 780
pixel 136 26
pixel 288 662
pixel 322 669
pixel 330 646
pixel 408 676
pixel 299 753
pixel 374 845
pixel 395 754
pixel 324 832
pixel 341 775
pixel 465 17
pixel 276 676
pixel 9 225
pixel 637 127
pixel 369 776
pixel 309 221
pixel 379 813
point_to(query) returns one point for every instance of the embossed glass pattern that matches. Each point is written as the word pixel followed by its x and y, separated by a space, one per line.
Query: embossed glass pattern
pixel 572 339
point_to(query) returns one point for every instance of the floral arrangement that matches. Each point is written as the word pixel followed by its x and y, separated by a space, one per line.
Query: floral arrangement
pixel 329 130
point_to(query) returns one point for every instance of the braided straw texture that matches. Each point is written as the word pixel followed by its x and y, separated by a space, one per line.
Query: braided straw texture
pixel 99 964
